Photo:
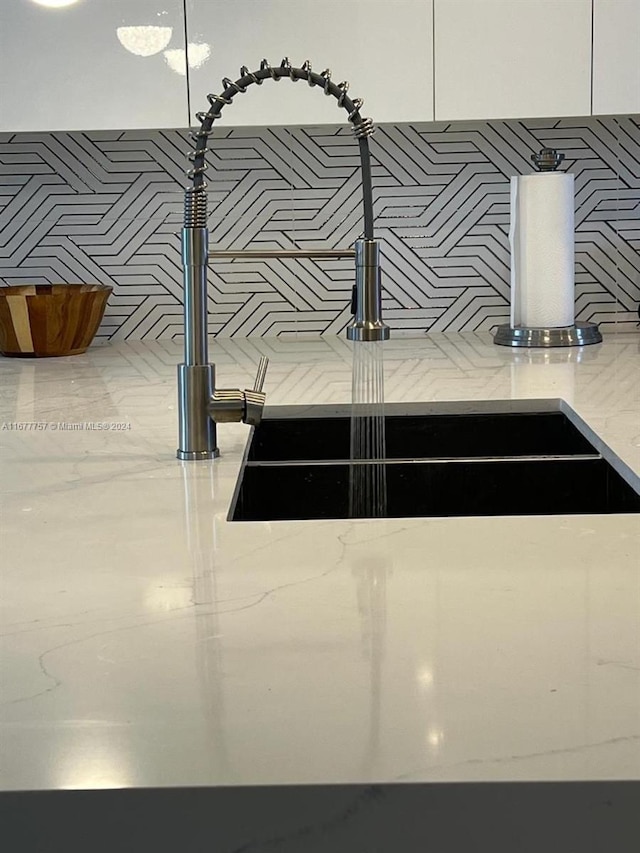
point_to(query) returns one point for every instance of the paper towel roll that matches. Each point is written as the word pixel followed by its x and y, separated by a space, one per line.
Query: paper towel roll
pixel 542 250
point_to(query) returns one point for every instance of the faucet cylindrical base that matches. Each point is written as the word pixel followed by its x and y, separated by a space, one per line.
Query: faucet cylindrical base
pixel 196 455
pixel 196 430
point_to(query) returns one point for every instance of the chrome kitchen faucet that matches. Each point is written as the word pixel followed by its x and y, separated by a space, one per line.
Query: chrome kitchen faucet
pixel 200 404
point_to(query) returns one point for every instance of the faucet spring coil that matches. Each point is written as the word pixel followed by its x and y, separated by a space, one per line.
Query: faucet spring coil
pixel 227 83
pixel 265 66
pixel 288 67
pixel 192 155
pixel 244 72
pixel 306 66
pixel 199 170
pixel 220 99
pixel 195 210
pixel 362 127
pixel 344 88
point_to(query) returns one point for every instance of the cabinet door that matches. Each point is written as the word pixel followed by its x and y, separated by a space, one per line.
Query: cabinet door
pixel 616 56
pixel 82 65
pixel 383 48
pixel 512 58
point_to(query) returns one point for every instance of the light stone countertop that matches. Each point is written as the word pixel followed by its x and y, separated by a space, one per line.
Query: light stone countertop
pixel 149 642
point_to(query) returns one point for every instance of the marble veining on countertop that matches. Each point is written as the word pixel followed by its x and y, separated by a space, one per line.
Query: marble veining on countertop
pixel 147 641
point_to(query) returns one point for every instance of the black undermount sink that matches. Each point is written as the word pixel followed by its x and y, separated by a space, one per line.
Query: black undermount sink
pixel 453 463
pixel 422 436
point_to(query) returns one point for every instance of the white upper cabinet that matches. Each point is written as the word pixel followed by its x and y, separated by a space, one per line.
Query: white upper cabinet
pixel 512 58
pixel 382 47
pixel 616 56
pixel 92 64
pixel 125 64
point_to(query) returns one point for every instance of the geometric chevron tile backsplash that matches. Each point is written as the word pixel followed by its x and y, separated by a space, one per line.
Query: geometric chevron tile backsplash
pixel 107 206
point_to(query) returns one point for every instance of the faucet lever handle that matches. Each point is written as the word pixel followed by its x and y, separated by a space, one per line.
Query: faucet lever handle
pixel 261 374
pixel 255 399
pixel 230 405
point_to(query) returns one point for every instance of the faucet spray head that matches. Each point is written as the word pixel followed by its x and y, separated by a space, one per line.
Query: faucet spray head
pixel 367 323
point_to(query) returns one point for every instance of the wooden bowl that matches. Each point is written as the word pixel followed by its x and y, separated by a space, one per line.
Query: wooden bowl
pixel 41 320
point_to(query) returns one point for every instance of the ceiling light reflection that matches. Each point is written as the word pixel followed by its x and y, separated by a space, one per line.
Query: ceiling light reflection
pixel 55 4
pixel 198 53
pixel 168 596
pixel 425 677
pixel 435 737
pixel 93 757
pixel 144 41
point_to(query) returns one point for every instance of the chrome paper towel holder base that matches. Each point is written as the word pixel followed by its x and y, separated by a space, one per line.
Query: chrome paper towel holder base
pixel 577 335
